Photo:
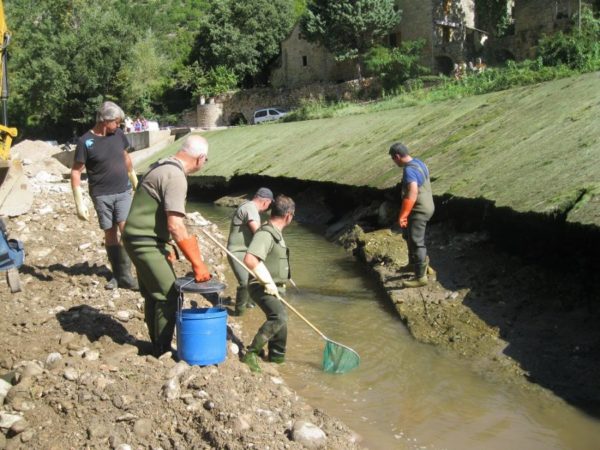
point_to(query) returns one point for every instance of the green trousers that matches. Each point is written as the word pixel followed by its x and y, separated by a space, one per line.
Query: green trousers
pixel 241 274
pixel 415 237
pixel 156 277
pixel 274 330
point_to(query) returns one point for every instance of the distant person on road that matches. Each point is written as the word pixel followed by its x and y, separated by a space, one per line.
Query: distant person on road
pixel 244 223
pixel 102 151
pixel 157 216
pixel 416 210
pixel 268 258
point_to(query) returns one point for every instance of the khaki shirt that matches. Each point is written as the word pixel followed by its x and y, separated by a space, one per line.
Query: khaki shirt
pixel 240 234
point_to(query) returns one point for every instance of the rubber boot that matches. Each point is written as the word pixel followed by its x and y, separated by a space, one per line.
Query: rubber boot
pixel 420 278
pixel 242 297
pixel 112 251
pixel 251 356
pixel 251 360
pixel 277 359
pixel 124 278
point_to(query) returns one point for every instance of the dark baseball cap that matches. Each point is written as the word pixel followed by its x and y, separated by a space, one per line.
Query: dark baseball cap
pixel 264 192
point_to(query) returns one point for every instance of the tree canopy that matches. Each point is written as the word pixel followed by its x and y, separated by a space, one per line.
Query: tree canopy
pixel 349 28
pixel 243 36
pixel 66 56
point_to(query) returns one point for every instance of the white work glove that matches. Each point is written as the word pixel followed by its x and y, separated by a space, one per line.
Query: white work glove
pixel 263 275
pixel 133 179
pixel 82 210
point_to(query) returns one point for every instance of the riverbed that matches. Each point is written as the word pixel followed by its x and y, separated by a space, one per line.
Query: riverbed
pixel 405 394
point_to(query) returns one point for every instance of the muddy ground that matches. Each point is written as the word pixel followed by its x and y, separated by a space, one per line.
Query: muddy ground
pixel 74 364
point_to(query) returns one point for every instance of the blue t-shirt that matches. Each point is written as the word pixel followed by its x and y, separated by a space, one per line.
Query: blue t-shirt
pixel 412 174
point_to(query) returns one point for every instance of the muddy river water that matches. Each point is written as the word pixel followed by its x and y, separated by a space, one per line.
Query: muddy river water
pixel 404 395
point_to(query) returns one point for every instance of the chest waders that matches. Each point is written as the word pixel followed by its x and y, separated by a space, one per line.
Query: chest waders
pixel 240 236
pixel 146 239
pixel 274 331
pixel 417 224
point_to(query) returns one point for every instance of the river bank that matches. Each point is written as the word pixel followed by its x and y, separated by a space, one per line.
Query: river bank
pixel 516 319
pixel 75 367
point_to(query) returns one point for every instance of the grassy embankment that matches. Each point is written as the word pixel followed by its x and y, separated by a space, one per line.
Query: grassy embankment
pixel 533 148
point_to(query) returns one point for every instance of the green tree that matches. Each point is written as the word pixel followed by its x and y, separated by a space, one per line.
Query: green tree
pixel 200 83
pixel 243 36
pixel 141 77
pixel 396 65
pixel 69 55
pixel 350 28
pixel 64 59
pixel 492 16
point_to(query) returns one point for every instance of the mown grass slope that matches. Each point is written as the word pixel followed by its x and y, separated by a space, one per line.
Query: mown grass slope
pixel 534 148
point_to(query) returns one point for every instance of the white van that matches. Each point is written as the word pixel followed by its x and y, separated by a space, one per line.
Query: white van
pixel 267 114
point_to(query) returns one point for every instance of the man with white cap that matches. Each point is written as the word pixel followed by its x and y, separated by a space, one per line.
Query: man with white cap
pixel 244 223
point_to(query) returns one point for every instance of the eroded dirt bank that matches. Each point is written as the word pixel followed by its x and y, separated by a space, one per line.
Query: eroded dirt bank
pixel 73 363
pixel 529 319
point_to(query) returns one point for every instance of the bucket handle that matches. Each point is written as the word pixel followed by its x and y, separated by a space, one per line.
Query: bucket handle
pixel 180 296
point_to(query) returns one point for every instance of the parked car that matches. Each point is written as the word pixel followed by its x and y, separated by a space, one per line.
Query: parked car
pixel 267 114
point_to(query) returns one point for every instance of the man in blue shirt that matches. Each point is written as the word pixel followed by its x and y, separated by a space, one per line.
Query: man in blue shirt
pixel 416 210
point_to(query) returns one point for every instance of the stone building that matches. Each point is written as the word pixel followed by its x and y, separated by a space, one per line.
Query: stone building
pixel 533 19
pixel 301 62
pixel 446 26
pixel 449 29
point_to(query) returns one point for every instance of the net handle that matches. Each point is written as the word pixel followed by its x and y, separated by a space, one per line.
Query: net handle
pixel 294 310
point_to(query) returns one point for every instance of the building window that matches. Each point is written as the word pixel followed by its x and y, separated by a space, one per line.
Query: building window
pixel 393 39
pixel 305 61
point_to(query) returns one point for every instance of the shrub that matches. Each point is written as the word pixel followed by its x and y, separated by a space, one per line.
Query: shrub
pixel 394 66
pixel 578 49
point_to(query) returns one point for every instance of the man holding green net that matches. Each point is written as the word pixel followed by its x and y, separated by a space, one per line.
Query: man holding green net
pixel 268 258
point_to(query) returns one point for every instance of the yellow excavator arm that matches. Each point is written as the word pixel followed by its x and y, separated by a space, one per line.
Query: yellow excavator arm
pixel 6 133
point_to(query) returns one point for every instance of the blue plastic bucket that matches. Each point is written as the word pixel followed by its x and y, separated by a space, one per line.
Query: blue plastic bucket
pixel 202 335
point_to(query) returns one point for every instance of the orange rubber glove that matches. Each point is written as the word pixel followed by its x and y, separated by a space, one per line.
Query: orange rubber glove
pixel 407 206
pixel 191 251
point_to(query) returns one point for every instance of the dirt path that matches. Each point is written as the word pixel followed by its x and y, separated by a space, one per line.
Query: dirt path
pixel 73 363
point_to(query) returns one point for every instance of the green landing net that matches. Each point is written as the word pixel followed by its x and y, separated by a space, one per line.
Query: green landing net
pixel 338 358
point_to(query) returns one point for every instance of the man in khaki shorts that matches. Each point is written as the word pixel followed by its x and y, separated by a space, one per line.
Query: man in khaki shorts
pixel 103 152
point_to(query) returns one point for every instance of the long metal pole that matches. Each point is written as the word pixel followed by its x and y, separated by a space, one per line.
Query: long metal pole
pixel 222 247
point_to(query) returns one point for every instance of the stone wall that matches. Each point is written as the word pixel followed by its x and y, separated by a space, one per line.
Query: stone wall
pixel 145 139
pixel 228 109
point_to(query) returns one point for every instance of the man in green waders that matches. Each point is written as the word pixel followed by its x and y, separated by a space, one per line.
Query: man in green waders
pixel 417 208
pixel 244 223
pixel 268 258
pixel 157 215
